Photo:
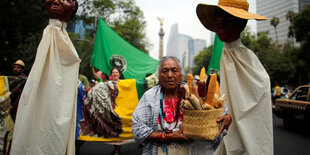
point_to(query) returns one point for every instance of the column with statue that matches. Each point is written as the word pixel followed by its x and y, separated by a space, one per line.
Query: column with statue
pixel 161 36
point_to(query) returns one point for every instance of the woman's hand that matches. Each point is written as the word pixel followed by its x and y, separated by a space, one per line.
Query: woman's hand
pixel 177 137
pixel 226 121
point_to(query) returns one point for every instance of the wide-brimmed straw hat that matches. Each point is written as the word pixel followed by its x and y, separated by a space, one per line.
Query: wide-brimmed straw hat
pixel 238 8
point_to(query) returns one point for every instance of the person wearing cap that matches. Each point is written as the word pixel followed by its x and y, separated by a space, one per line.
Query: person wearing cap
pixel 18 68
pixel 243 79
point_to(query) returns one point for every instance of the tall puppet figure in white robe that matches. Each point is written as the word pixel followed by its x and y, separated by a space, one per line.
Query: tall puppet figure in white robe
pixel 243 78
pixel 45 120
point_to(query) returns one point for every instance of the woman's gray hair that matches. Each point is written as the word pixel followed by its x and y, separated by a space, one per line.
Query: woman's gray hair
pixel 163 59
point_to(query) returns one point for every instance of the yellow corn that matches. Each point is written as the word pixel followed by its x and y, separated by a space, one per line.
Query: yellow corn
pixel 211 90
pixel 203 75
pixel 190 81
pixel 217 91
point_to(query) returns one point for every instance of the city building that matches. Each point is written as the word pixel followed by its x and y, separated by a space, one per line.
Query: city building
pixel 184 46
pixel 177 43
pixel 194 48
pixel 78 26
pixel 279 9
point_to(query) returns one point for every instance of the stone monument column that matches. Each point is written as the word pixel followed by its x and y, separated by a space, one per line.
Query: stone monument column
pixel 161 36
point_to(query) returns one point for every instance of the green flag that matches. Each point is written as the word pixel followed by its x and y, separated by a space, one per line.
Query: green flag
pixel 110 50
pixel 216 55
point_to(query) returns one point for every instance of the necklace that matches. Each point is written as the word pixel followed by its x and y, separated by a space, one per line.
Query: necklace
pixel 169 111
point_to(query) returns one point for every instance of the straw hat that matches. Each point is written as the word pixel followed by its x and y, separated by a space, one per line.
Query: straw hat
pixel 19 62
pixel 238 8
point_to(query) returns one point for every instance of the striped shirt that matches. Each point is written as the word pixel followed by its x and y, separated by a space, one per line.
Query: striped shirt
pixel 145 119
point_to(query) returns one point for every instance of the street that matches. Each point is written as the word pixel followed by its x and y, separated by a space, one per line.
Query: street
pixel 290 142
pixel 100 148
pixel 286 142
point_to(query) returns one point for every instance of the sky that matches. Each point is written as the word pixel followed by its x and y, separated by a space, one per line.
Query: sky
pixel 182 12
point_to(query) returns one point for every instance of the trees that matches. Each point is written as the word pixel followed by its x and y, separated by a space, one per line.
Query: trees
pixel 290 16
pixel 280 61
pixel 123 16
pixel 274 22
pixel 202 60
pixel 22 23
pixel 301 29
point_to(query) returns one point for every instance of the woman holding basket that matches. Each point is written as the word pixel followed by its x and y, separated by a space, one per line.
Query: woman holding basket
pixel 158 118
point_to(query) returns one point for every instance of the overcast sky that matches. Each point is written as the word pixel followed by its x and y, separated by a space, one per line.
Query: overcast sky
pixel 182 12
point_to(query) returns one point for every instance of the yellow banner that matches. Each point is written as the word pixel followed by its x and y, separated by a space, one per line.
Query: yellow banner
pixel 5 102
pixel 126 102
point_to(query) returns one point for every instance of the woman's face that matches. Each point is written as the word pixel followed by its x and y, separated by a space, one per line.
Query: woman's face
pixel 170 74
pixel 115 75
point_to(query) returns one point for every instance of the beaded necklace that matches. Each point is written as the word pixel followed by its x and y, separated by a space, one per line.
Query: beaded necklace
pixel 163 115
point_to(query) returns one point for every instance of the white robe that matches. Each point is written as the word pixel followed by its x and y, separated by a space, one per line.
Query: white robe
pixel 247 85
pixel 45 121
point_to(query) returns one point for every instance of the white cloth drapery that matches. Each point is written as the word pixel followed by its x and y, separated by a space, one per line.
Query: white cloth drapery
pixel 247 85
pixel 45 120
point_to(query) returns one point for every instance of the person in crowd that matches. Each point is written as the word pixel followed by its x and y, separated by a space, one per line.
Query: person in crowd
pixel 99 75
pixel 16 83
pixel 153 125
pixel 102 119
pixel 18 68
pixel 116 75
pixel 92 83
pixel 84 80
pixel 148 74
pixel 243 78
pixel 277 93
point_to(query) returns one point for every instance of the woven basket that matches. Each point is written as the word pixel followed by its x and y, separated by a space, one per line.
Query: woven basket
pixel 201 124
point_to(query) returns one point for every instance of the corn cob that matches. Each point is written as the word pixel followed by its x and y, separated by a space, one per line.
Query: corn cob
pixel 190 81
pixel 207 107
pixel 187 93
pixel 188 105
pixel 221 101
pixel 216 101
pixel 195 91
pixel 202 89
pixel 211 90
pixel 195 102
pixel 203 75
pixel 207 83
pixel 217 91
